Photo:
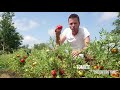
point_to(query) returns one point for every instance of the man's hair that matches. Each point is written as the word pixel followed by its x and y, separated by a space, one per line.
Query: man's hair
pixel 74 16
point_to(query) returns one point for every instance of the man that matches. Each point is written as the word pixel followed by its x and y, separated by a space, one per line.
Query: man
pixel 78 37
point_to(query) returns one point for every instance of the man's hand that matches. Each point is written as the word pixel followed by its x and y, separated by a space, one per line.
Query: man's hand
pixel 58 29
pixel 75 53
pixel 58 32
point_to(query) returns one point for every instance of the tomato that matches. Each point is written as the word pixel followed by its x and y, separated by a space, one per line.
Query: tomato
pixel 34 63
pixel 18 55
pixel 101 67
pixel 25 57
pixel 22 60
pixel 54 73
pixel 81 73
pixel 96 67
pixel 114 50
pixel 26 70
pixel 61 72
pixel 115 74
pixel 59 27
pixel 47 50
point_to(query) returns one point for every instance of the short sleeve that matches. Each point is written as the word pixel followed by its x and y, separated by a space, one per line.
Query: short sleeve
pixel 64 32
pixel 86 33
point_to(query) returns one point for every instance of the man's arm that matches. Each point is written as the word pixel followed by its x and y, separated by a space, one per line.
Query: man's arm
pixel 59 38
pixel 87 42
pixel 77 52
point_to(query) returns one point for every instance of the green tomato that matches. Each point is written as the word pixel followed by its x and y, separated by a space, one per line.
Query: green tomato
pixel 81 73
pixel 26 70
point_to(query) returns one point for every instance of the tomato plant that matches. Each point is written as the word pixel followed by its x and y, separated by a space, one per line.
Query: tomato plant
pixel 57 62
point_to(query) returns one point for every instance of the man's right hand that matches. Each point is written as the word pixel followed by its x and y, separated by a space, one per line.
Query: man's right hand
pixel 58 32
pixel 58 29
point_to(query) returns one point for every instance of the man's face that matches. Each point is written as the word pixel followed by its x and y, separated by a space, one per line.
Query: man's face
pixel 74 25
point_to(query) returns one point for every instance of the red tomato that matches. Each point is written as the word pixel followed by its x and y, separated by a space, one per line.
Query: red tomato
pixel 59 27
pixel 61 72
pixel 53 72
pixel 22 60
pixel 101 67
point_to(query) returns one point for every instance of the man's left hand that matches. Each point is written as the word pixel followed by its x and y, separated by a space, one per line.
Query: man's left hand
pixel 75 53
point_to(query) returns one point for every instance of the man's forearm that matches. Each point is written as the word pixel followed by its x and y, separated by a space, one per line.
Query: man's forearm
pixel 57 40
pixel 83 49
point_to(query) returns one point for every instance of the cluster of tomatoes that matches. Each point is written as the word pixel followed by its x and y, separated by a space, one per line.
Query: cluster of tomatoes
pixel 114 74
pixel 22 60
pixel 98 67
pixel 54 72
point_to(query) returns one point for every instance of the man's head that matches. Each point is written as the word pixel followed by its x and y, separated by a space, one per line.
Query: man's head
pixel 74 23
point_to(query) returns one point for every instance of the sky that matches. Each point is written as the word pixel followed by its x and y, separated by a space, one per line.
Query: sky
pixel 37 27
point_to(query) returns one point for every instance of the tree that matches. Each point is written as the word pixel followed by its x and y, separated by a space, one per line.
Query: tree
pixel 9 38
pixel 117 24
pixel 40 46
pixel 25 46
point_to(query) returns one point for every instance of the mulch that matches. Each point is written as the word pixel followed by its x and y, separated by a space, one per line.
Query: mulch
pixel 9 74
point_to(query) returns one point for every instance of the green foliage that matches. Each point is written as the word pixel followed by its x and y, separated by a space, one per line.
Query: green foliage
pixel 40 46
pixel 45 57
pixel 116 23
pixel 41 62
pixel 9 38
